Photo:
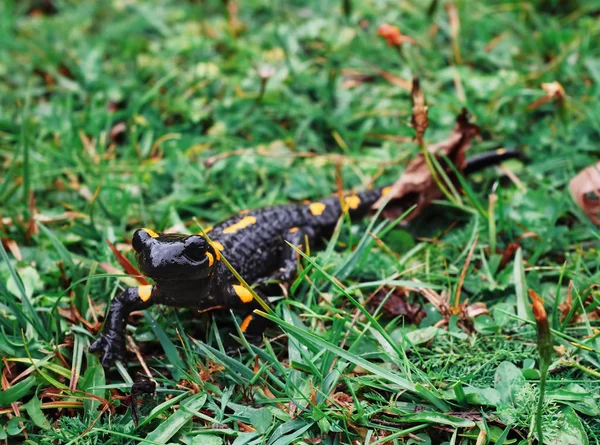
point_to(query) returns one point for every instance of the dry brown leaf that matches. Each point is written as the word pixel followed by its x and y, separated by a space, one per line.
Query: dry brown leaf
pixel 126 264
pixel 396 304
pixel 354 78
pixel 585 188
pixel 395 80
pixel 554 91
pixel 416 185
pixel 393 36
pixel 13 247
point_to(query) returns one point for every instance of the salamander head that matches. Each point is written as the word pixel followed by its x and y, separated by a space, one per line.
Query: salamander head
pixel 167 256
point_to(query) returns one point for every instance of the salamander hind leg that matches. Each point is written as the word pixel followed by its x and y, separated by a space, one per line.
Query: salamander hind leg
pixel 288 264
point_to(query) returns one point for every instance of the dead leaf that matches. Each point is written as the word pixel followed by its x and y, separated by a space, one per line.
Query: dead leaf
pixel 353 78
pixel 118 132
pixel 417 185
pixel 32 228
pixel 585 189
pixel 393 36
pixel 13 247
pixel 554 91
pixel 466 312
pixel 124 262
pixel 395 80
pixel 397 305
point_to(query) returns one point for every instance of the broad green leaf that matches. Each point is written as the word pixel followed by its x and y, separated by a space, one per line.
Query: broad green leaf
pixel 92 380
pixel 261 419
pixel 509 381
pixel 206 439
pixel 438 419
pixel 167 429
pixel 34 410
pixel 523 309
pixel 17 391
pixel 570 432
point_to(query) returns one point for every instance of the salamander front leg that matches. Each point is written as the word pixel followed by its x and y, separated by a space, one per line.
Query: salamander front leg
pixel 112 339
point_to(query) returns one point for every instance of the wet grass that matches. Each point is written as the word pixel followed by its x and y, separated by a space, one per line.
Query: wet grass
pixel 125 114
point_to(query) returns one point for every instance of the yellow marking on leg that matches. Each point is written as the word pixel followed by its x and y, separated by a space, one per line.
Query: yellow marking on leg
pixel 211 258
pixel 245 323
pixel 243 212
pixel 385 190
pixel 317 208
pixel 500 151
pixel 241 224
pixel 294 229
pixel 145 292
pixel 352 201
pixel 150 232
pixel 244 294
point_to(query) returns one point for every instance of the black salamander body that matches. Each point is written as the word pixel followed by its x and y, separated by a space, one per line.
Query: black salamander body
pixel 188 272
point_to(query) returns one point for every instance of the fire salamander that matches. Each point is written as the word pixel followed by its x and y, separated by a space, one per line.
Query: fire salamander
pixel 188 272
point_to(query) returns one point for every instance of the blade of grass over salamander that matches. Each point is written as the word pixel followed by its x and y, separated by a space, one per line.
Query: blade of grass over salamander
pixel 243 282
pixel 346 268
pixel 466 187
pixel 451 187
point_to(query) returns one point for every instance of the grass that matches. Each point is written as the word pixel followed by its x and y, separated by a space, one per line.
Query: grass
pixel 169 114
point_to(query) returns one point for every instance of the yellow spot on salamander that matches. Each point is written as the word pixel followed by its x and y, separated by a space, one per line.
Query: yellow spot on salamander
pixel 294 229
pixel 500 151
pixel 352 201
pixel 211 258
pixel 243 212
pixel 150 232
pixel 385 190
pixel 241 224
pixel 144 292
pixel 217 247
pixel 245 323
pixel 208 229
pixel 317 208
pixel 244 294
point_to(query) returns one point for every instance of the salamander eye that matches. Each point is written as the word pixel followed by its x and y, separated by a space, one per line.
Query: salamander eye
pixel 195 248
